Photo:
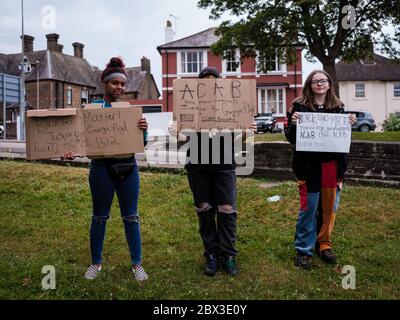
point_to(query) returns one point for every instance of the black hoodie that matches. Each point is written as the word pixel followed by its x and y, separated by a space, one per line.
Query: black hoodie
pixel 307 164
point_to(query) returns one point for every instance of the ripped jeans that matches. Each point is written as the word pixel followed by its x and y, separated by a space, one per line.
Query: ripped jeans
pixel 214 194
pixel 103 188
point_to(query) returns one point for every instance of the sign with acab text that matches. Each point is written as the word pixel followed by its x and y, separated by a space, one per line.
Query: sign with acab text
pixel 323 132
pixel 214 103
pixel 89 131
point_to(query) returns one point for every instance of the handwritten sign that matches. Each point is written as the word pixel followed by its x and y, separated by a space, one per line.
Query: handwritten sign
pixel 323 132
pixel 87 132
pixel 214 103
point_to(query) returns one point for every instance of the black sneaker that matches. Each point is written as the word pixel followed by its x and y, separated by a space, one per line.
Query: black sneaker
pixel 328 257
pixel 302 262
pixel 211 265
pixel 231 266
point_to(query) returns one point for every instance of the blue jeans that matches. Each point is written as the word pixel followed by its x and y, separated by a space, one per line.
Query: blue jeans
pixel 103 187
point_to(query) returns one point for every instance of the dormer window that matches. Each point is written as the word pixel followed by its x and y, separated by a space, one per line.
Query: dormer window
pixel 26 65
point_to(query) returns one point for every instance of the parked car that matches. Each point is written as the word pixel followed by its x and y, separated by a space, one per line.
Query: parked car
pixel 285 125
pixel 1 131
pixel 365 121
pixel 266 123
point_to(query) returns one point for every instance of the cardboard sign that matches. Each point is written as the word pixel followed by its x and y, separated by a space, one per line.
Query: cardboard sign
pixel 92 131
pixel 323 132
pixel 214 103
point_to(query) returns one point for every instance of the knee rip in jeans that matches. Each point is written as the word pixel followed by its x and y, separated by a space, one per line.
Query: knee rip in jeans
pixel 203 207
pixel 226 209
pixel 131 219
pixel 100 219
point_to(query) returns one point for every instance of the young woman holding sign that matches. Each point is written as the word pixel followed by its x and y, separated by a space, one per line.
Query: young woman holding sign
pixel 319 175
pixel 110 175
pixel 214 193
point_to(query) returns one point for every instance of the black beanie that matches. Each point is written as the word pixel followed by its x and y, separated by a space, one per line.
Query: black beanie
pixel 209 71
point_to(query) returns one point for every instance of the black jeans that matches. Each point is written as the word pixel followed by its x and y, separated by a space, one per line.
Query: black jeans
pixel 215 186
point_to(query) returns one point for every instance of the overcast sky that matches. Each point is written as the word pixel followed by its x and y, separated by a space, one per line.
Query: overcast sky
pixel 128 28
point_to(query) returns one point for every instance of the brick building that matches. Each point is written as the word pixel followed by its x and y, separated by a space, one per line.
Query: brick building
pixel 184 58
pixel 65 81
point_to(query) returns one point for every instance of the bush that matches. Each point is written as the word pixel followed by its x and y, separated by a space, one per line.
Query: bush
pixel 392 123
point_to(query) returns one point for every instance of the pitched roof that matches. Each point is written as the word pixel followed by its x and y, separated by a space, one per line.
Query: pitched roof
pixel 53 66
pixel 203 39
pixel 62 67
pixel 381 68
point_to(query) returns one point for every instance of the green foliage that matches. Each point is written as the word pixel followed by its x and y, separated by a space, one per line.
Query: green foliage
pixel 45 219
pixel 392 123
pixel 325 27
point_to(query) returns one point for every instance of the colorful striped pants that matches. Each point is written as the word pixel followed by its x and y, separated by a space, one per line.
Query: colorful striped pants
pixel 323 189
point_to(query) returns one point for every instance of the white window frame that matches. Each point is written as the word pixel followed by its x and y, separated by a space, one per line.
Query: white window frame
pixel 69 96
pixel 396 91
pixel 359 91
pixel 200 67
pixel 266 89
pixel 85 95
pixel 280 68
pixel 226 62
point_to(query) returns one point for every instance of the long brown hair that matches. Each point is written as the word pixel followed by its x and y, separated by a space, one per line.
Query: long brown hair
pixel 307 95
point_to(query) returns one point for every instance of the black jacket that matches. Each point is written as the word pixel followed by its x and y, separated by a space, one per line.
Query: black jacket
pixel 307 164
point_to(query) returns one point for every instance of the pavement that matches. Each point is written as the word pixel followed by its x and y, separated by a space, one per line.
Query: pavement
pixel 155 155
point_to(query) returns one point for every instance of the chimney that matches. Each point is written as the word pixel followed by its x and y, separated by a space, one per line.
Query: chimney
pixel 169 33
pixel 145 65
pixel 60 48
pixel 52 41
pixel 78 49
pixel 28 43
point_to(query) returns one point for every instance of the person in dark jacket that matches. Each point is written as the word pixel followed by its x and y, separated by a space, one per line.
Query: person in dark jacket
pixel 213 186
pixel 319 175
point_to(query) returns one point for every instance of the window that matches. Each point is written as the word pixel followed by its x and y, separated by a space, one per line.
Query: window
pixel 232 62
pixel 272 100
pixel 270 63
pixel 191 62
pixel 396 90
pixel 26 65
pixel 360 90
pixel 84 96
pixel 69 96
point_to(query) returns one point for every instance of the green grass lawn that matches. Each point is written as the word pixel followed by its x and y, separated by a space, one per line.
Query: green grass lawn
pixel 369 136
pixel 45 217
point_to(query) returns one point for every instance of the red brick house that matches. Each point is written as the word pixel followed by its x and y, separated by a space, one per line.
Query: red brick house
pixel 184 58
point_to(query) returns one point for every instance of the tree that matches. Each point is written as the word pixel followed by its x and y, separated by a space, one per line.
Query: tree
pixel 330 30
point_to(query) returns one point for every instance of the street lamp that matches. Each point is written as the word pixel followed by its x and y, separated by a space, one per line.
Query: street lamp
pixel 37 64
pixel 22 99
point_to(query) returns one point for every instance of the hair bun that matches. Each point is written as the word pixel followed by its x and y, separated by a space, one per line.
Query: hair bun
pixel 116 62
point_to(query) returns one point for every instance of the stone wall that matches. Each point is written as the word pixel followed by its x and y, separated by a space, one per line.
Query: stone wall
pixel 369 162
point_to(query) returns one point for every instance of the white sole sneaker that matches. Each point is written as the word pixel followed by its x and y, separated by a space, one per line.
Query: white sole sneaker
pixel 92 272
pixel 140 274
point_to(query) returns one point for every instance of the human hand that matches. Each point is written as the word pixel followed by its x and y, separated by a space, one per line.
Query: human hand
pixel 295 117
pixel 68 156
pixel 142 124
pixel 173 128
pixel 253 128
pixel 353 118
